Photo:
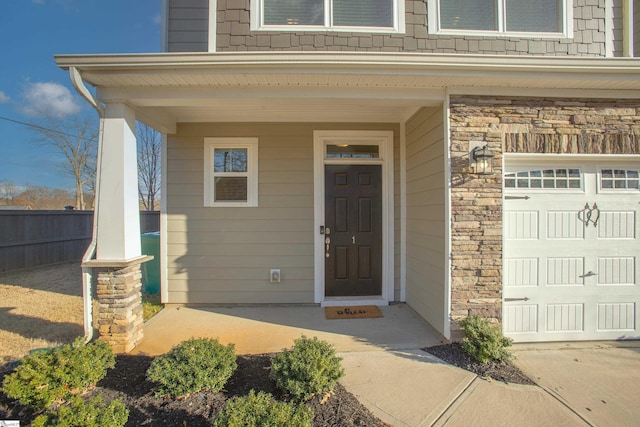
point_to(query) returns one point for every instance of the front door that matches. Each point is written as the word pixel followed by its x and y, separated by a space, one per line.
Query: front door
pixel 353 230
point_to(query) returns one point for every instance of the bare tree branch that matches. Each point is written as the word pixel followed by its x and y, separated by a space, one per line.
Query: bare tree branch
pixel 149 157
pixel 76 139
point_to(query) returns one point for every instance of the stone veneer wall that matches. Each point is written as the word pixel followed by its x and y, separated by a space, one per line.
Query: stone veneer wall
pixel 535 125
pixel 234 34
pixel 120 317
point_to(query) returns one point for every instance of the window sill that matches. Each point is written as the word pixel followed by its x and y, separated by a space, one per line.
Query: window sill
pixel 319 29
pixel 501 34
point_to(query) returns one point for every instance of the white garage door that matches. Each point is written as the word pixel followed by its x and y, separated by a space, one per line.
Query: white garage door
pixel 571 249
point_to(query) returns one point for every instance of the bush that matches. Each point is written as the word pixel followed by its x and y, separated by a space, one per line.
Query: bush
pixel 310 368
pixel 78 413
pixel 57 374
pixel 483 340
pixel 192 366
pixel 261 410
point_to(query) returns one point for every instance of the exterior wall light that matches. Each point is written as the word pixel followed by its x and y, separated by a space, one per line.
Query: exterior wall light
pixel 481 160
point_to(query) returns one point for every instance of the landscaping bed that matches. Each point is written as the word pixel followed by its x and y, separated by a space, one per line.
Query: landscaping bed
pixel 127 381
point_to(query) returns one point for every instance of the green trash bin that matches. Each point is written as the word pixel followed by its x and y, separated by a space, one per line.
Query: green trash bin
pixel 150 243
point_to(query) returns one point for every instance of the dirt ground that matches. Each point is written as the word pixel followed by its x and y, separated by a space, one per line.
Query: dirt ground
pixel 39 307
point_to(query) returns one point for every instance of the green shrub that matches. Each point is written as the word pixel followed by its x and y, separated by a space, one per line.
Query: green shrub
pixel 260 410
pixel 483 340
pixel 309 368
pixel 57 374
pixel 78 413
pixel 192 366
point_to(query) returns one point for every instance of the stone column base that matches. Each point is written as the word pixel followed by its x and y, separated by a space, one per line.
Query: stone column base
pixel 119 298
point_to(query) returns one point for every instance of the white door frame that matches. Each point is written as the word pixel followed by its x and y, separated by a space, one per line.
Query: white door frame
pixel 384 139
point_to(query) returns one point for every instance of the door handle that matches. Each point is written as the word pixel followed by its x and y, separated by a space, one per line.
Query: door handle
pixel 353 239
pixel 589 274
pixel 327 243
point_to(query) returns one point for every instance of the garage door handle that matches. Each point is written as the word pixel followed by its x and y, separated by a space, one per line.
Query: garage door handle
pixel 516 299
pixel 589 274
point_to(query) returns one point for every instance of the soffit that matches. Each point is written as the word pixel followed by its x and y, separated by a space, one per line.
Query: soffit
pixel 319 85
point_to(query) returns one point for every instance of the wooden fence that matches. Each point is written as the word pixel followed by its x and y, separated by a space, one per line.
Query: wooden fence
pixel 35 238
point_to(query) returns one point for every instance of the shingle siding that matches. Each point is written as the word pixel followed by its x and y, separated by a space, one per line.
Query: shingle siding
pixel 589 35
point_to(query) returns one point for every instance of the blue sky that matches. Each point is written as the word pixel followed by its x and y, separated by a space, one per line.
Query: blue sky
pixel 31 32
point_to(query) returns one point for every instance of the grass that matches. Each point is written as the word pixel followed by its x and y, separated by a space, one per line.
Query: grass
pixel 150 305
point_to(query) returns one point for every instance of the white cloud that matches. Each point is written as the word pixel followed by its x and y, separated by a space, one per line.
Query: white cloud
pixel 4 98
pixel 157 19
pixel 49 99
pixel 38 1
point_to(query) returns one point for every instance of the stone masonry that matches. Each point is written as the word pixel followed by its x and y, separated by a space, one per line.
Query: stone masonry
pixel 234 34
pixel 120 307
pixel 535 125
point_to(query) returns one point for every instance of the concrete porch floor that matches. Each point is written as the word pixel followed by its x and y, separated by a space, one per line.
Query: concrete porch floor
pixel 267 329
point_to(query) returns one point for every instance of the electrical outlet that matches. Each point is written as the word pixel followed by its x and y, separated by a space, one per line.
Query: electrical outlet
pixel 275 275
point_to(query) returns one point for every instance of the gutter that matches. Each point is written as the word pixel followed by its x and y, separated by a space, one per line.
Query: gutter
pixel 81 88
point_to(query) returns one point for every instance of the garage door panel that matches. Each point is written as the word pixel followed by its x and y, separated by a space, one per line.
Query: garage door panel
pixel 564 225
pixel 616 316
pixel 521 272
pixel 520 225
pixel 617 225
pixel 522 318
pixel 564 318
pixel 565 271
pixel 570 257
pixel 616 271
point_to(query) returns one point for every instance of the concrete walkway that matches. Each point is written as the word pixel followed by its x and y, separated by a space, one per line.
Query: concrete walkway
pixel 595 384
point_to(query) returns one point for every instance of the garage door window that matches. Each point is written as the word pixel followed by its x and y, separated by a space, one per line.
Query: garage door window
pixel 544 179
pixel 619 179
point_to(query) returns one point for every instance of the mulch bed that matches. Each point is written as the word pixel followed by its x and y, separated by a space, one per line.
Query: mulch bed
pixel 504 371
pixel 127 382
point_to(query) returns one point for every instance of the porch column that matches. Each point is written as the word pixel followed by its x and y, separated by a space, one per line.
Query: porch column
pixel 118 235
pixel 118 254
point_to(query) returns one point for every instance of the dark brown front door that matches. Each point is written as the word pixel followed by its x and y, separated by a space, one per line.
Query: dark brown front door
pixel 353 227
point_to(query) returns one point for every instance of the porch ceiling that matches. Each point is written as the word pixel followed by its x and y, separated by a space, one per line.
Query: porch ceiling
pixel 266 86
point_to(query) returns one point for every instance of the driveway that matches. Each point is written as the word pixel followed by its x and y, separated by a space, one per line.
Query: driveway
pixel 598 381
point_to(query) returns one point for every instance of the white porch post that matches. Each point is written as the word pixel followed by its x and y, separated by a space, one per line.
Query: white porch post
pixel 117 219
pixel 118 234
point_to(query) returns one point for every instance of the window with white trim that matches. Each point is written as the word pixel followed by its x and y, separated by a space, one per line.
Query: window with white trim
pixel 231 172
pixel 336 15
pixel 540 18
pixel 619 179
pixel 560 178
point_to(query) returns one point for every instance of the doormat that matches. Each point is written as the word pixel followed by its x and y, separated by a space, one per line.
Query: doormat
pixel 358 312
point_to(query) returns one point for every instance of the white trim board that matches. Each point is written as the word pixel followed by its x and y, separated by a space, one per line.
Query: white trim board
pixel 385 140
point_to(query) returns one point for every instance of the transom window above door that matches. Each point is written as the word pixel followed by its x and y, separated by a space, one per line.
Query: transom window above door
pixel 328 15
pixel 539 18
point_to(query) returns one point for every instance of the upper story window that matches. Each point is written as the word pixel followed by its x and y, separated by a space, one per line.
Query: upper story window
pixel 328 15
pixel 538 18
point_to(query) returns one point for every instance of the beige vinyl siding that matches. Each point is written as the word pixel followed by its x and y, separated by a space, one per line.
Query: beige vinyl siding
pixel 220 255
pixel 426 221
pixel 188 25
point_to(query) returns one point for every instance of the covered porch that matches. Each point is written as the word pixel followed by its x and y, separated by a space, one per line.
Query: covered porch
pixel 192 97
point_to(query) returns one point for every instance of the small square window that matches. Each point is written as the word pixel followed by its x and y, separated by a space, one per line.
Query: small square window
pixel 231 172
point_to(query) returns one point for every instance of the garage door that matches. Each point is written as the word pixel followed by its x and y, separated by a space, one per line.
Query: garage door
pixel 571 249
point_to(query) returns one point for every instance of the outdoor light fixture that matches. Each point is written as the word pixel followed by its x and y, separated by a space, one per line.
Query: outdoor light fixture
pixel 481 160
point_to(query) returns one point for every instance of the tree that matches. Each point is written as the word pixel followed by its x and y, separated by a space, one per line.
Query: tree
pixel 149 157
pixel 8 191
pixel 77 139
